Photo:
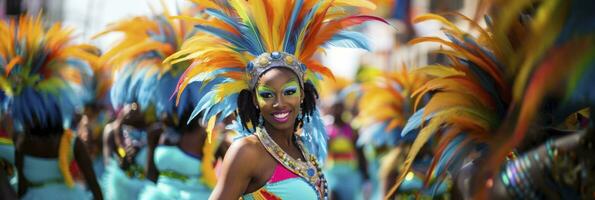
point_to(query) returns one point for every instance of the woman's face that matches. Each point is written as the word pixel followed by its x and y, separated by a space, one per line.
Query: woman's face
pixel 278 96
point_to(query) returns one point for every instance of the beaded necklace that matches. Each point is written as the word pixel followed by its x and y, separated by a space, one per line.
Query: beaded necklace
pixel 308 169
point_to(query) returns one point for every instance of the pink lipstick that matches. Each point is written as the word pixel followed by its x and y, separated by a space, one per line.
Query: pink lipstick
pixel 281 116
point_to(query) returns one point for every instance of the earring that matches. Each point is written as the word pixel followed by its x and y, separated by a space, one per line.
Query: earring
pixel 260 120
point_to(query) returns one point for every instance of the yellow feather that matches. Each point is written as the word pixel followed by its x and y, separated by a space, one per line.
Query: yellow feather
pixel 11 64
pixel 6 86
pixel 64 157
pixel 394 124
pixel 210 127
pixel 225 89
pixel 190 19
pixel 260 19
pixel 207 4
pixel 438 71
pixel 208 172
pixel 433 126
pixel 443 100
pixel 241 9
pixel 355 3
pixel 279 23
pixel 424 135
pixel 430 16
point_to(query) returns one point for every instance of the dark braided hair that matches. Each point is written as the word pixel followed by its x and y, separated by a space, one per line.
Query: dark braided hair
pixel 249 113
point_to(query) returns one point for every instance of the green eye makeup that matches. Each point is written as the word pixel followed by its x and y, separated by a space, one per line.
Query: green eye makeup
pixel 265 92
pixel 291 88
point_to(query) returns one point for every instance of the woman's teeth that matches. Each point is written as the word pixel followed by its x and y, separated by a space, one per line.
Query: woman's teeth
pixel 281 117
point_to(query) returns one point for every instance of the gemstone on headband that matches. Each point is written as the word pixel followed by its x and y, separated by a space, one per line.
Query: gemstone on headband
pixel 276 55
pixel 266 61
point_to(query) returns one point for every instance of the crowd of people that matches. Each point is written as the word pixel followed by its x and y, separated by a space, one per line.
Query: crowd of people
pixel 230 99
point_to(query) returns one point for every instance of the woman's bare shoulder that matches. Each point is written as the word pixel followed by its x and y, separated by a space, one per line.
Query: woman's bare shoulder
pixel 246 148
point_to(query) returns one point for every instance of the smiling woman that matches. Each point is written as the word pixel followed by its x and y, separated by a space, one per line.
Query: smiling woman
pixel 278 98
pixel 255 58
pixel 279 103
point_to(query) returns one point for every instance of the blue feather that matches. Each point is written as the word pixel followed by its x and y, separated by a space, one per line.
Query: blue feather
pixel 146 91
pixel 487 83
pixel 470 40
pixel 415 121
pixel 369 135
pixel 238 128
pixel 28 94
pixel 290 46
pixel 222 16
pixel 251 34
pixel 349 39
pixel 241 28
pixel 315 137
pixel 212 74
pixel 235 40
pixel 83 67
pixel 304 25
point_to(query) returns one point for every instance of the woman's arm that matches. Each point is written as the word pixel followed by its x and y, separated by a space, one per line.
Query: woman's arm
pixel 108 143
pixel 237 170
pixel 86 166
pixel 153 135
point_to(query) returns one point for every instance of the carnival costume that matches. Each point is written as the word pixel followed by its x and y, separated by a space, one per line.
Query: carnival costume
pixel 245 39
pixel 181 175
pixel 133 60
pixel 42 83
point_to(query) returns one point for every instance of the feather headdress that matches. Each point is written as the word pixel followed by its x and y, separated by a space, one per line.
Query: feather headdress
pixel 278 33
pixel 495 82
pixel 146 79
pixel 137 60
pixel 390 91
pixel 42 78
pixel 42 72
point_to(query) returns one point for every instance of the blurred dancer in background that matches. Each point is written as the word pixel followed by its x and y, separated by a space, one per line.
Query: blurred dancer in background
pixel 344 172
pixel 43 82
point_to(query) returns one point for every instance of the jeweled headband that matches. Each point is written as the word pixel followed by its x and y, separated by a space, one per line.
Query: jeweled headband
pixel 267 61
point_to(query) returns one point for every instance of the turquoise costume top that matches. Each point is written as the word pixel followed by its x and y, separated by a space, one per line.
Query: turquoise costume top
pixel 118 184
pixel 46 180
pixel 284 184
pixel 179 176
pixel 291 179
pixel 7 152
